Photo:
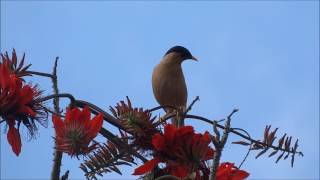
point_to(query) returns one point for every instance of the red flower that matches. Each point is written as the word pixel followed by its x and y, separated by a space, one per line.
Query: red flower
pixel 227 171
pixel 12 64
pixel 74 134
pixel 18 102
pixel 182 150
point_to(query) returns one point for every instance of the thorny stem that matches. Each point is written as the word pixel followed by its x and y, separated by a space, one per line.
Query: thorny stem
pixel 55 173
pixel 219 145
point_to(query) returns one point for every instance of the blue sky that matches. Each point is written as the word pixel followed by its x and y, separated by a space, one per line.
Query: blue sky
pixel 261 57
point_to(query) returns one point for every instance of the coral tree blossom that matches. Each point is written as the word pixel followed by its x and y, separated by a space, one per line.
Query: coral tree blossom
pixel 227 171
pixel 74 134
pixel 18 101
pixel 182 150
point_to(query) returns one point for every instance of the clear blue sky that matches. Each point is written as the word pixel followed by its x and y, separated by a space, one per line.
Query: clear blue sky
pixel 261 57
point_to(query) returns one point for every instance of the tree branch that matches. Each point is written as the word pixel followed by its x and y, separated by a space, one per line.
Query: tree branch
pixel 41 74
pixel 96 110
pixel 219 144
pixel 234 131
pixel 55 173
pixel 57 96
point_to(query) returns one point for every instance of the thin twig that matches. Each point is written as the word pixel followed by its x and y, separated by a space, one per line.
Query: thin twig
pixel 161 107
pixel 52 112
pixel 40 74
pixel 65 176
pixel 249 149
pixel 190 106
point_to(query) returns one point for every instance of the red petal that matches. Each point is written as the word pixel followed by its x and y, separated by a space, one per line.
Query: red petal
pixel 239 175
pixel 26 94
pixel 4 76
pixel 96 124
pixel 58 124
pixel 169 133
pixel 179 171
pixel 75 115
pixel 84 115
pixel 185 130
pixel 158 142
pixel 224 170
pixel 206 137
pixel 27 111
pixel 68 115
pixel 209 154
pixel 14 140
pixel 146 167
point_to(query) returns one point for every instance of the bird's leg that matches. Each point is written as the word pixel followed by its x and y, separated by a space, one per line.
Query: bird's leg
pixel 166 116
pixel 179 119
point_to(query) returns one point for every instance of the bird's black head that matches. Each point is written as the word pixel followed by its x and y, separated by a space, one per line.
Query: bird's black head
pixel 184 52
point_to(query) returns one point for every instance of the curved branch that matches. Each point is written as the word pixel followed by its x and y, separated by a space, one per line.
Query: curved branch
pixel 54 96
pixel 161 107
pixel 96 110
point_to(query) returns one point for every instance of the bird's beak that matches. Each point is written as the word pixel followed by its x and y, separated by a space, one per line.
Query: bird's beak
pixel 193 58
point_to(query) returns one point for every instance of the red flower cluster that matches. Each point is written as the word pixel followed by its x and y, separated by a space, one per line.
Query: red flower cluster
pixel 74 134
pixel 18 101
pixel 182 150
pixel 227 171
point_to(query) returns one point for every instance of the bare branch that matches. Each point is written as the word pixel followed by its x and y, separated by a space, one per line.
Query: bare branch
pixel 220 144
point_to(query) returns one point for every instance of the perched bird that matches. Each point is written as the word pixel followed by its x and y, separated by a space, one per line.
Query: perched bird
pixel 168 83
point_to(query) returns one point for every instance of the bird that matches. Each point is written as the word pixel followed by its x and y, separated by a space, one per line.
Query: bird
pixel 168 82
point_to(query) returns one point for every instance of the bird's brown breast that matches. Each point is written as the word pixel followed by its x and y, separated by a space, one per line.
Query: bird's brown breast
pixel 169 85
